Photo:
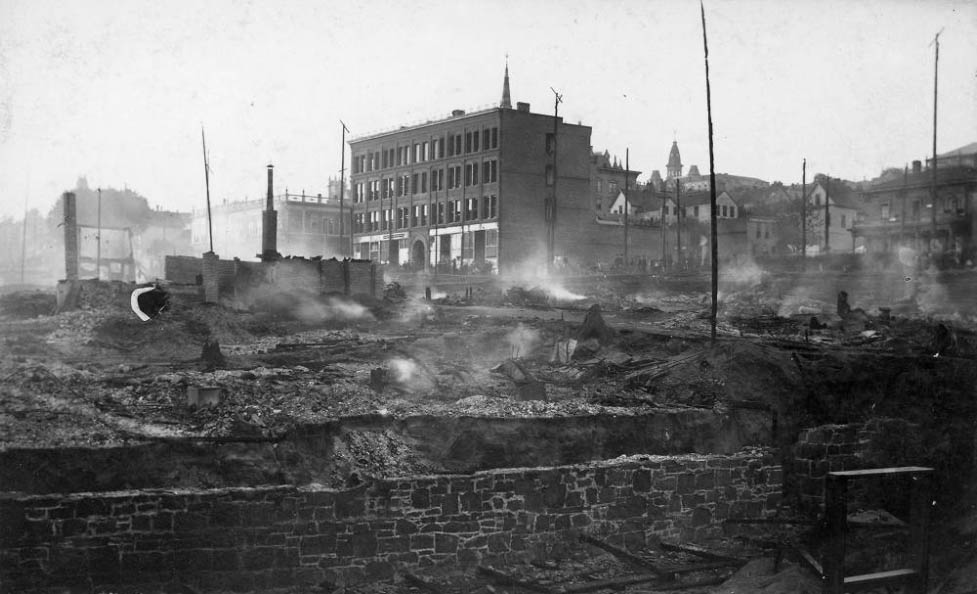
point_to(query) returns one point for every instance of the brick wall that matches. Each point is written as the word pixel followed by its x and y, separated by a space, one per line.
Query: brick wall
pixel 879 442
pixel 248 539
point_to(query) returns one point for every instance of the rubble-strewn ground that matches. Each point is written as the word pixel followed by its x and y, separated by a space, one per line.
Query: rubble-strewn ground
pixel 100 378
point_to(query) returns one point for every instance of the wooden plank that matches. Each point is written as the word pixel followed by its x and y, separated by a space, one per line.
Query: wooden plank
pixel 421 583
pixel 612 583
pixel 506 579
pixel 811 561
pixel 880 471
pixel 874 580
pixel 701 552
pixel 623 554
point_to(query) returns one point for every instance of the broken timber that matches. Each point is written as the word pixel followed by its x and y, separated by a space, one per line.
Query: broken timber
pixel 625 555
pixel 701 552
pixel 510 580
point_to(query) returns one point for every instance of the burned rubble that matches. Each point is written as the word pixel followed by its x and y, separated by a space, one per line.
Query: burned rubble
pixel 506 439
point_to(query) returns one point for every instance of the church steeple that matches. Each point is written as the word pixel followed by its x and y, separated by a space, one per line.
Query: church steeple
pixel 506 101
pixel 674 167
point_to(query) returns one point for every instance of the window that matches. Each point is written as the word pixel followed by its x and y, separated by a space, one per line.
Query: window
pixel 414 182
pixel 766 232
pixel 440 214
pixel 493 206
pixel 550 178
pixel 723 210
pixel 384 163
pixel 843 222
pixel 471 209
pixel 695 212
pixel 468 142
pixel 424 182
pixel 471 174
pixel 916 210
pixel 475 141
pixel 491 243
pixel 550 143
pixel 495 138
pixel 490 171
pixel 885 212
pixel 418 155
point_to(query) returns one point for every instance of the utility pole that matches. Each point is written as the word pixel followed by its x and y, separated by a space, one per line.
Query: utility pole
pixel 678 225
pixel 936 73
pixel 98 252
pixel 827 214
pixel 804 215
pixel 905 196
pixel 23 238
pixel 664 252
pixel 342 189
pixel 712 186
pixel 210 227
pixel 627 200
pixel 551 205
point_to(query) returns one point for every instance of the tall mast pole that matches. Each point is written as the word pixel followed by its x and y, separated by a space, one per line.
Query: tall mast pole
pixel 804 215
pixel 342 189
pixel 678 224
pixel 712 186
pixel 627 200
pixel 662 216
pixel 551 211
pixel 936 72
pixel 98 252
pixel 827 214
pixel 210 226
pixel 23 238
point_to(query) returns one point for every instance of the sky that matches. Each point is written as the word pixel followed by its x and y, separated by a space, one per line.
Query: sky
pixel 118 91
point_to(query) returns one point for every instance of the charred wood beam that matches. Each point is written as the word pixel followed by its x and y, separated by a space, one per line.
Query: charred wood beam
pixel 506 579
pixel 701 552
pixel 625 555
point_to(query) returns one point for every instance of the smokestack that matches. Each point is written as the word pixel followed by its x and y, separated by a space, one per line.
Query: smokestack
pixel 70 237
pixel 917 166
pixel 269 223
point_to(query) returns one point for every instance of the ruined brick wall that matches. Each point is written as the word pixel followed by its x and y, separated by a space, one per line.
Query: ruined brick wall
pixel 879 442
pixel 332 276
pixel 248 539
pixel 182 270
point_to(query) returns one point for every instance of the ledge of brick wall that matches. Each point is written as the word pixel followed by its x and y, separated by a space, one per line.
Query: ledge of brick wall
pixel 246 539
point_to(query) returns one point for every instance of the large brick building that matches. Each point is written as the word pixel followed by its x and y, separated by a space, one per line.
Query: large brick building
pixel 470 190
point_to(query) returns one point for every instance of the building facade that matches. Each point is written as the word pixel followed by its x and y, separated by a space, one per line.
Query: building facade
pixel 307 226
pixel 899 213
pixel 470 192
pixel 839 215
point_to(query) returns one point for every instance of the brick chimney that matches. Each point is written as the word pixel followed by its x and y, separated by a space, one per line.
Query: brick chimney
pixel 70 237
pixel 917 166
pixel 269 223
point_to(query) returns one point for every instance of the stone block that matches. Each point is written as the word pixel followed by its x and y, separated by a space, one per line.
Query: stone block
pixel 445 543
pixel 705 479
pixel 686 483
pixel 421 541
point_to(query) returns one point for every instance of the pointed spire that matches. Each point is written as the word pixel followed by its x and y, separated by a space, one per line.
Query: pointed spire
pixel 506 100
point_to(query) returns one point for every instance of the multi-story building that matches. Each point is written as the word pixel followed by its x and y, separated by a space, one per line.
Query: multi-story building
pixel 609 178
pixel 830 202
pixel 900 213
pixel 472 191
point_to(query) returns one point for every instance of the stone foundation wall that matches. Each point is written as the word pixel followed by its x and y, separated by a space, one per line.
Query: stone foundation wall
pixel 249 539
pixel 877 443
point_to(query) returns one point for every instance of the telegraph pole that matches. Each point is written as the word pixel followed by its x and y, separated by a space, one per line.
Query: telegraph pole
pixel 804 215
pixel 627 188
pixel 827 214
pixel 210 227
pixel 712 186
pixel 551 210
pixel 23 238
pixel 98 253
pixel 678 224
pixel 664 253
pixel 936 73
pixel 342 189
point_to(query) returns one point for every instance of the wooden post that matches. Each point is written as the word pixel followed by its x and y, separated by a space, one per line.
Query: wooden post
pixel 919 520
pixel 627 200
pixel 712 187
pixel 804 215
pixel 342 188
pixel 836 519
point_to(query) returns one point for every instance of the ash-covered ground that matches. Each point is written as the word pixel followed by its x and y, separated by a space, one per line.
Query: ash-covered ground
pixel 387 376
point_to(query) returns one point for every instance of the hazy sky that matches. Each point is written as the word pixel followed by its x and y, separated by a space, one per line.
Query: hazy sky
pixel 117 91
